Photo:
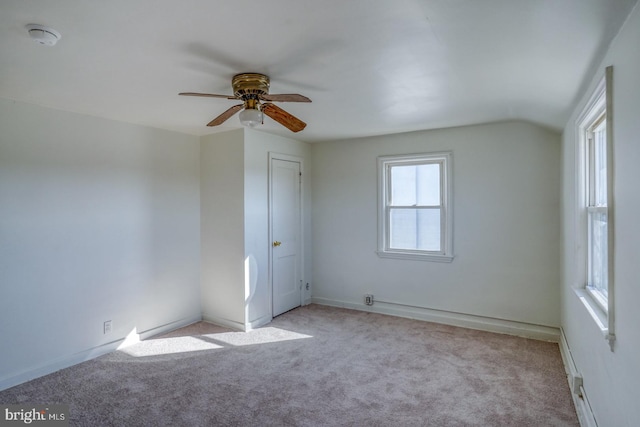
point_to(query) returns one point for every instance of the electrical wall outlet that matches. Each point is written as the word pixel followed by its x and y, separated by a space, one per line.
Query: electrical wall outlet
pixel 368 299
pixel 107 327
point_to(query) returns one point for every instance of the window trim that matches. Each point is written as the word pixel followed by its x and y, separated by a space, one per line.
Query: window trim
pixel 384 163
pixel 599 104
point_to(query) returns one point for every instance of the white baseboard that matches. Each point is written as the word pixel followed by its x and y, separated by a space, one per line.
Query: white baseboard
pixel 58 364
pixel 168 327
pixel 70 360
pixel 227 323
pixel 527 330
pixel 580 401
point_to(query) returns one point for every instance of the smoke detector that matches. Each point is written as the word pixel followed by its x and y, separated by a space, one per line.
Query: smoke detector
pixel 43 35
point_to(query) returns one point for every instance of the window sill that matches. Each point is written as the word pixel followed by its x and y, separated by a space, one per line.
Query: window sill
pixel 414 256
pixel 595 310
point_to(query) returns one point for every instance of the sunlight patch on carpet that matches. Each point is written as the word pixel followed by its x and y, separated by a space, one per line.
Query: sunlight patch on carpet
pixel 169 346
pixel 256 336
pixel 190 343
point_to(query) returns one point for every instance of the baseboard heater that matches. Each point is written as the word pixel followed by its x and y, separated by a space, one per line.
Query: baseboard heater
pixel 576 384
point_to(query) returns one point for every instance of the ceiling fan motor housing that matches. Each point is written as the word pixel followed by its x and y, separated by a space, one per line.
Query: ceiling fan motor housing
pixel 250 85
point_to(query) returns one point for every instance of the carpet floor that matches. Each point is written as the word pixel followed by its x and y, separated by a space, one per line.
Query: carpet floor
pixel 316 366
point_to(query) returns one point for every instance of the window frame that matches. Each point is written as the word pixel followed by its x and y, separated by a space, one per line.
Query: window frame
pixel 385 163
pixel 599 108
pixel 592 206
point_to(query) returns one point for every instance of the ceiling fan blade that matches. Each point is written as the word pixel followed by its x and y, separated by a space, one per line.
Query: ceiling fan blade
pixel 285 97
pixel 224 116
pixel 207 95
pixel 285 119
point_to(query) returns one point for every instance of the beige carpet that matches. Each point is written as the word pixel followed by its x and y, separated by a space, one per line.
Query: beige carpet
pixel 316 366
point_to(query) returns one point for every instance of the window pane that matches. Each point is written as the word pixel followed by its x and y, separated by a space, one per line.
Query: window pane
pixel 598 257
pixel 600 164
pixel 428 184
pixel 415 185
pixel 415 229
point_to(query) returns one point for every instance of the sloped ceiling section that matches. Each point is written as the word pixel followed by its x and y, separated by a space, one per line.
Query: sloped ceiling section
pixel 370 66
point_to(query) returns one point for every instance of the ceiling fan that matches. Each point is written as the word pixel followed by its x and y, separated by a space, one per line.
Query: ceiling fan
pixel 252 88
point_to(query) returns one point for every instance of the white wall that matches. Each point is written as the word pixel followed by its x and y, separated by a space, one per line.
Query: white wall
pixel 235 224
pixel 101 220
pixel 222 227
pixel 98 221
pixel 506 187
pixel 257 244
pixel 610 378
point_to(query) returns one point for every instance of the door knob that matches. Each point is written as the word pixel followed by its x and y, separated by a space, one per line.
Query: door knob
pixel 276 243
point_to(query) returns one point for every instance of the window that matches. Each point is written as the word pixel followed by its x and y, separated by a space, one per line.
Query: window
pixel 414 219
pixel 596 211
pixel 595 202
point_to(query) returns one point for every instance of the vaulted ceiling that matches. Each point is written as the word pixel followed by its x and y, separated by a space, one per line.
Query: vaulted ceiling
pixel 370 66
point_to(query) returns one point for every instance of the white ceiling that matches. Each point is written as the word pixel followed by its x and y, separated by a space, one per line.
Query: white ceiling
pixel 370 66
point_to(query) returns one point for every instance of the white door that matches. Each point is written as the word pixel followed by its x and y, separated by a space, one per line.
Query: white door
pixel 285 235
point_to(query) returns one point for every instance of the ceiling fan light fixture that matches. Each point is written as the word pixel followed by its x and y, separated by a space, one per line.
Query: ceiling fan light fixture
pixel 251 117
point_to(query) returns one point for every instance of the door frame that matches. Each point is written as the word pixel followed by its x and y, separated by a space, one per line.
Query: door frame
pixel 300 161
